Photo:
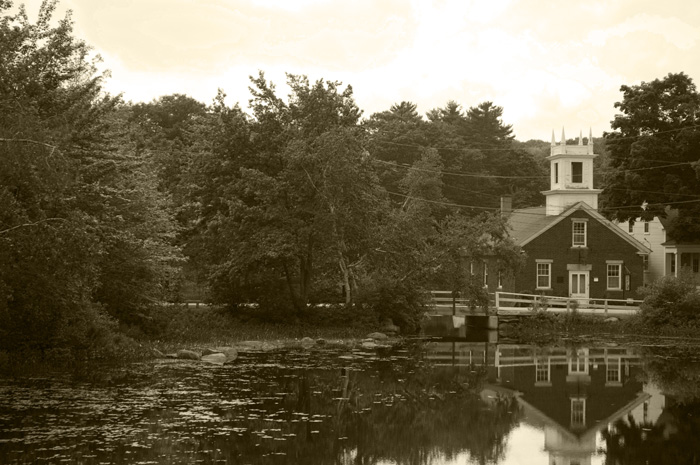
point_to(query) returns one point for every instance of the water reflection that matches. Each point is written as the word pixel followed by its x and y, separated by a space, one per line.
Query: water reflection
pixel 435 402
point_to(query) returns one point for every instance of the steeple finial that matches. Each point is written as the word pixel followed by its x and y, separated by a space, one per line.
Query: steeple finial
pixel 553 141
pixel 580 137
pixel 563 137
pixel 590 136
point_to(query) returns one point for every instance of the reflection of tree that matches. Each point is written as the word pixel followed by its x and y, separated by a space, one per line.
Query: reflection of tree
pixel 676 371
pixel 672 437
pixel 672 440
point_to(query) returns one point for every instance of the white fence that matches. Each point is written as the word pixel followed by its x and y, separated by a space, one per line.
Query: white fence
pixel 511 303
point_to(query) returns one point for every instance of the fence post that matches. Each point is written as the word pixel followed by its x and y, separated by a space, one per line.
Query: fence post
pixel 498 303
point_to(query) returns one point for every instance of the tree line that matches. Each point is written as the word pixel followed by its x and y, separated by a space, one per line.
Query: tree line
pixel 108 207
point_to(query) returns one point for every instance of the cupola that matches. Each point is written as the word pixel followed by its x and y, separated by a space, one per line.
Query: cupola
pixel 571 175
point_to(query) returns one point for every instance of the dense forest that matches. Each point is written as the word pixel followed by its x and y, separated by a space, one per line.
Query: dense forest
pixel 109 207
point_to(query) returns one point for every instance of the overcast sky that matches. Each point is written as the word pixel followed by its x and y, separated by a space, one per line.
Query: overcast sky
pixel 547 63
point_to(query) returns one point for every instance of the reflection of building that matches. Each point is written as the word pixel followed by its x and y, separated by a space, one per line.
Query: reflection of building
pixel 570 394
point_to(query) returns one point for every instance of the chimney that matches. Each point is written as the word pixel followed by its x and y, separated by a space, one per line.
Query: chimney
pixel 506 205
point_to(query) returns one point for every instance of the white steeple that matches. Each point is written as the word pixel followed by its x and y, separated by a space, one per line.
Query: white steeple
pixel 571 175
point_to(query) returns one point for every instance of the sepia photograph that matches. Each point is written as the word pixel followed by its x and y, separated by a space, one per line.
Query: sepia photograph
pixel 376 232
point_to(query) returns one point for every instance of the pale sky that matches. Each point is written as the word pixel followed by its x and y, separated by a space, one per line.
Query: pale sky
pixel 547 63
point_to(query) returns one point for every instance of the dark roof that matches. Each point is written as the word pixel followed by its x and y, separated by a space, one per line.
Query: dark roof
pixel 528 221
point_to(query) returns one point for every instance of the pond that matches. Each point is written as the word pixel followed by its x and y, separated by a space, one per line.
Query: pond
pixel 423 402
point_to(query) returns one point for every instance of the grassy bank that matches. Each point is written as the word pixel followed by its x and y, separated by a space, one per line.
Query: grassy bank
pixel 548 328
pixel 179 326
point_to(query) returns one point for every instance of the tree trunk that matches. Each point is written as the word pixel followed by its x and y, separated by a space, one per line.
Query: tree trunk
pixel 292 291
pixel 346 280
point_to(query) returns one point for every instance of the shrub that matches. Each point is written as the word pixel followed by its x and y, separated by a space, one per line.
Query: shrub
pixel 671 301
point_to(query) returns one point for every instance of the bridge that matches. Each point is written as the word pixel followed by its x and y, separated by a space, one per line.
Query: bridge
pixel 513 304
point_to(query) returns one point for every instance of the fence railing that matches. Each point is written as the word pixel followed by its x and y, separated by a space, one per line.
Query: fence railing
pixel 514 303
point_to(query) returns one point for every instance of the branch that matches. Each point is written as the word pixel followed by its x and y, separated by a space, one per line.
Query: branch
pixel 30 141
pixel 3 231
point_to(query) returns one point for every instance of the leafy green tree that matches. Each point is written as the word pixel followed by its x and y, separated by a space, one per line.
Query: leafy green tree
pixel 653 155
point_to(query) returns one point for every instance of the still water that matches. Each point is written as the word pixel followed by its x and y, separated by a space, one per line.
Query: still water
pixel 425 402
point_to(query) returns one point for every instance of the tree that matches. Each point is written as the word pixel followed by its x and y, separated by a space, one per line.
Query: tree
pixel 291 193
pixel 655 140
pixel 78 215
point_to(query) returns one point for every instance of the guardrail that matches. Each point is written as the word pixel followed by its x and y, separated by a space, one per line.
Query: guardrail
pixel 511 303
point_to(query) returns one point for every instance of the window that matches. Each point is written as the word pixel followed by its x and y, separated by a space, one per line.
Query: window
pixel 556 173
pixel 542 371
pixel 630 227
pixel 672 258
pixel 690 261
pixel 613 374
pixel 544 275
pixel 577 172
pixel 645 262
pixel 578 412
pixel 579 233
pixel 614 276
pixel 500 279
pixel 486 275
pixel 646 227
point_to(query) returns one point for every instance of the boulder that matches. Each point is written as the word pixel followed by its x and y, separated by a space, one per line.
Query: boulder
pixel 209 352
pixel 320 341
pixel 612 319
pixel 377 336
pixel 255 346
pixel 187 355
pixel 216 358
pixel 230 353
pixel 307 342
pixel 369 345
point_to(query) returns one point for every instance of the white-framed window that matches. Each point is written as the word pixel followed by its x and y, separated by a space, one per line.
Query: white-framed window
pixel 544 274
pixel 486 274
pixel 646 227
pixel 614 275
pixel 645 262
pixel 556 173
pixel 578 412
pixel 578 233
pixel 630 226
pixel 542 371
pixel 613 374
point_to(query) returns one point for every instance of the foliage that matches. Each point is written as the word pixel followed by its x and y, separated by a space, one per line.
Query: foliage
pixel 81 229
pixel 654 143
pixel 672 301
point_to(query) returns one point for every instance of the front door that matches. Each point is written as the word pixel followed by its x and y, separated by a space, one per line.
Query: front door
pixel 578 284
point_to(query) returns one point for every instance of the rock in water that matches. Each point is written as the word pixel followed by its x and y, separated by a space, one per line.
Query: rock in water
pixel 307 342
pixel 230 353
pixel 216 359
pixel 187 355
pixel 377 336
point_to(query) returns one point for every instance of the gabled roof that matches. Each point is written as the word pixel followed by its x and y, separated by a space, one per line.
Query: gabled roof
pixel 529 223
